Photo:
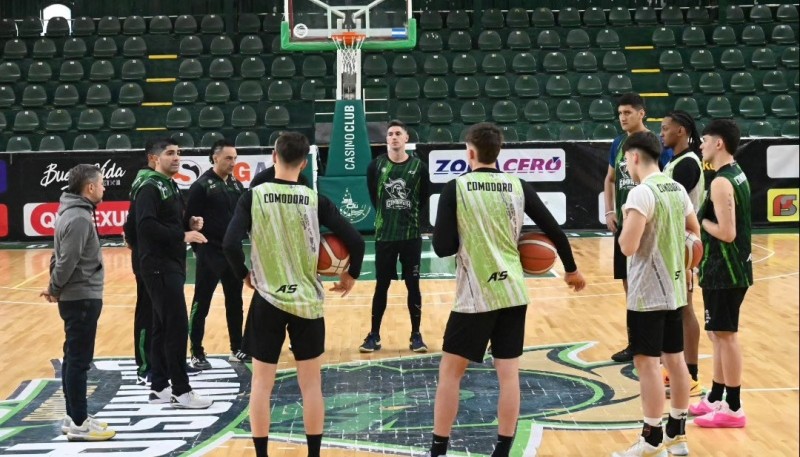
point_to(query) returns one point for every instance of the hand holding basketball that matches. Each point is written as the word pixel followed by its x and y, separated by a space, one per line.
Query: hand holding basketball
pixel 333 256
pixel 694 250
pixel 537 253
pixel 345 284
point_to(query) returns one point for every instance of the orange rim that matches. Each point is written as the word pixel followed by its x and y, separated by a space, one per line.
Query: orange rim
pixel 347 38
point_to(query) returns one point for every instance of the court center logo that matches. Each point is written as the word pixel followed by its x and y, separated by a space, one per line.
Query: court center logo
pixel 379 406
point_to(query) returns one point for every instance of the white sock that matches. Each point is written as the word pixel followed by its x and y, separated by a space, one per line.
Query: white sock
pixel 653 421
pixel 678 413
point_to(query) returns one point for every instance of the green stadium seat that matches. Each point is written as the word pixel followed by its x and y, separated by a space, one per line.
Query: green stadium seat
pixel 569 17
pixel 569 111
pixel 698 15
pixel 763 58
pixel 724 36
pixel 212 24
pixel 607 39
pixel 44 48
pixel 734 14
pixel 497 87
pixel 526 86
pixel 272 22
pixel 408 113
pixel 185 25
pixel 702 60
pixel 615 61
pixel 489 40
pixel 18 144
pixel 133 70
pixel 211 117
pixel 509 133
pixel 314 66
pixel 430 42
pixel 517 18
pixel 217 92
pixel 751 107
pixel 374 65
pixel 312 89
pixel 753 35
pixel 57 27
pixel 670 60
pixel 796 83
pixel 247 140
pixel 30 27
pixel 585 62
pixel 787 13
pixel 375 88
pixel 783 106
pixel 252 68
pixel 404 65
pixel 279 91
pixel 548 39
pixel 74 48
pixel 791 57
pixel 9 72
pixel 774 82
pixel 459 40
pixel 7 98
pixel 761 129
pixel 250 91
pixel 601 110
pixel 719 108
pixel 2 122
pixel 619 84
pixel 160 25
pixel 466 87
pixel 108 26
pixel 578 39
pixel 190 46
pixel 436 88
pixel 407 89
pixel 783 34
pixel 590 86
pixel 122 119
pixel 440 135
pixel 51 143
pixel 85 142
pixel 131 94
pixel 15 49
pixel 492 19
pixel 34 96
pixel 459 20
pixel 571 132
pixel 711 83
pixel 505 112
pixel 472 112
pixel 98 95
pixel 102 70
pixel 518 40
pixel 104 48
pixel 134 25
pixel 243 116
pixel 554 62
pixel 440 113
pixel 604 131
pixel 178 118
pixel 277 116
pixel 220 68
pixel 543 17
pixel 65 95
pixel 644 15
pixel 90 120
pixel 663 38
pixel 523 62
pixel 743 83
pixel 732 59
pixel 83 26
pixel 184 92
pixel 283 67
pixel 536 111
pixel 430 20
pixel 558 86
pixel 538 132
pixel 251 45
pixel 680 84
pixel 58 120
pixel 118 141
pixel 209 138
pixel 464 64
pixel 190 69
pixel 694 37
pixel 594 17
pixel 183 139
pixel 493 64
pixel 619 16
pixel 760 13
pixel 134 47
pixel 790 129
pixel 672 15
pixel 39 72
pixel 435 64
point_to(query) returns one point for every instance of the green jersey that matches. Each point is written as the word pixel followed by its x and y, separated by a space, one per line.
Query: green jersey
pixel 285 247
pixel 141 177
pixel 490 215
pixel 397 191
pixel 728 265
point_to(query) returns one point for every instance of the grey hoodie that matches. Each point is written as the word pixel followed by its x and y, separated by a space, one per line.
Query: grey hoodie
pixel 76 268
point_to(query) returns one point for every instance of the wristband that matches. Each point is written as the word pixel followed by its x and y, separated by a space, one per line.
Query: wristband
pixel 610 212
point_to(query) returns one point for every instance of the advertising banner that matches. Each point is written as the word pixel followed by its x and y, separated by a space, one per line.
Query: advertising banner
pixel 351 196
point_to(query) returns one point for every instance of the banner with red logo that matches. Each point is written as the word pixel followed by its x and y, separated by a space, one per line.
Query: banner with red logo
pixel 40 218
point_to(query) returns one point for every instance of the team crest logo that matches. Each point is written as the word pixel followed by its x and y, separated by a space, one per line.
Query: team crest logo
pixel 380 406
pixel 354 212
pixel 398 194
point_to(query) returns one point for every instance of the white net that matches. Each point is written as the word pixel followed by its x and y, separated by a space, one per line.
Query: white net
pixel 349 46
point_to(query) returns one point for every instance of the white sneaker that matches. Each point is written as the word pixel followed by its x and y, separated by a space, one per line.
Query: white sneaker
pixel 159 398
pixel 190 400
pixel 90 430
pixel 642 448
pixel 676 446
pixel 66 422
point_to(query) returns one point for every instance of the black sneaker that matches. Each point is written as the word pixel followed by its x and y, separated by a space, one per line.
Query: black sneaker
pixel 623 356
pixel 371 343
pixel 416 344
pixel 240 357
pixel 192 371
pixel 200 362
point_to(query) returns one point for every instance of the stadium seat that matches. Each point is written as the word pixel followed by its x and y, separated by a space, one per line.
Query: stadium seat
pixel 569 17
pixel 619 16
pixel 753 35
pixel 98 95
pixel 217 92
pixel 430 42
pixel 680 84
pixel 190 46
pixel 774 82
pixel 466 87
pixel 247 140
pixel 517 18
pixel 732 59
pixel 251 45
pixel 185 25
pixel 554 62
pixel 220 68
pixel 761 129
pixel 579 39
pixel 724 36
pixel 118 141
pixel 184 92
pixel 787 13
pixel 65 95
pixel 698 15
pixel 33 96
pixel 538 132
pixel 440 135
pixel 57 27
pixel 134 25
pixel 435 64
pixel 209 138
pixel 459 40
pixel 489 40
pixel 134 47
pixel 719 108
pixel 526 86
pixel 108 26
pixel 510 134
pixel 791 57
pixel 594 17
pixel 178 118
pixel 102 70
pixel 74 48
pixel 543 17
pixel 493 64
pixel 694 37
pixel 30 27
pixel 122 119
pixel 83 26
pixel 464 64
pixel 279 91
pixel 7 98
pixel 763 58
pixel 518 40
pixel 440 113
pixel 276 116
pixel 472 112
pixel 701 60
pixel 15 49
pixel 312 89
pixel 51 143
pixel 601 110
pixel 243 116
pixel 85 142
pixel 760 13
pixel 734 14
pixel 375 88
pixel 221 46
pixel 9 72
pixel 644 15
pixel 672 15
pixel 184 139
pixel 314 66
pixel 272 22
pixel 373 65
pixel 90 120
pixel 2 122
pixel 190 69
pixel 104 48
pixel 430 20
pixel 497 87
pixel 505 112
pixel 619 84
pixel 407 89
pixel 404 65
pixel 670 60
pixel 436 88
pixel 548 39
pixel 39 72
pixel 743 83
pixel 558 86
pixel 783 106
pixel 711 83
pixel 537 111
pixel 569 111
pixel 571 132
pixel 18 144
pixel 790 129
pixel 663 38
pixel 250 91
pixel 783 34
pixel 160 25
pixel 523 62
pixel 252 68
pixel 212 24
pixel 589 86
pixel 283 67
pixel 615 61
pixel 604 131
pixel 44 48
pixel 459 20
pixel 585 62
pixel 408 113
pixel 751 107
pixel 131 94
pixel 210 117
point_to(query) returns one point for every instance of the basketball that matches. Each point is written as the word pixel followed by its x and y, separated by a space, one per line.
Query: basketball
pixel 333 256
pixel 537 253
pixel 694 250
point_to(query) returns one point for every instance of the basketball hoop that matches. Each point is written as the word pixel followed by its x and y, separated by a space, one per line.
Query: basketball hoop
pixel 349 44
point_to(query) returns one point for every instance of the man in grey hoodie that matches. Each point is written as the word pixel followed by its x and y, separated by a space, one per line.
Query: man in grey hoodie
pixel 76 283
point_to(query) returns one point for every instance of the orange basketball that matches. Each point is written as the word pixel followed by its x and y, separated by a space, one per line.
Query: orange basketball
pixel 694 250
pixel 537 253
pixel 333 256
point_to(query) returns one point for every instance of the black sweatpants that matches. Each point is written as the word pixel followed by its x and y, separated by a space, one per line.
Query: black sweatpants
pixel 170 331
pixel 211 268
pixel 80 327
pixel 142 328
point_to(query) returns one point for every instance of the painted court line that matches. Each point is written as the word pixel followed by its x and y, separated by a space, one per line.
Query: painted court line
pixel 534 441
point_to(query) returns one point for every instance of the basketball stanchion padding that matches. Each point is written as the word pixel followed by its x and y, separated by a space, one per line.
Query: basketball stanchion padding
pixel 694 250
pixel 333 256
pixel 537 253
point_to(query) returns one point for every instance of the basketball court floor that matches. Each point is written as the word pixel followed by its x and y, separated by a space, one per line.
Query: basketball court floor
pixel 575 401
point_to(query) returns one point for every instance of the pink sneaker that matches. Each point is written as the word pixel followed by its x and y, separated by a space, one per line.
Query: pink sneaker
pixel 723 417
pixel 704 407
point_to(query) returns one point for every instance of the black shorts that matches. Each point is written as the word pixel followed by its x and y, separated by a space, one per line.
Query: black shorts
pixel 652 332
pixel 620 261
pixel 265 331
pixel 467 334
pixel 722 308
pixel 409 252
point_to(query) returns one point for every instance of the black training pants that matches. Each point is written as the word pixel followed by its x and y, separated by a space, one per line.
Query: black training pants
pixel 80 327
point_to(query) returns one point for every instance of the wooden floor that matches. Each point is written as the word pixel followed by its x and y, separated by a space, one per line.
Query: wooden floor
pixel 31 336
